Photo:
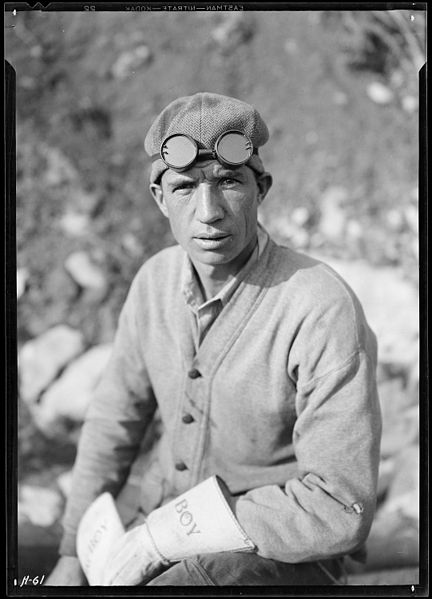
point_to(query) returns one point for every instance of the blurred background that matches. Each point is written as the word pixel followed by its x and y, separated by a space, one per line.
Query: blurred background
pixel 339 91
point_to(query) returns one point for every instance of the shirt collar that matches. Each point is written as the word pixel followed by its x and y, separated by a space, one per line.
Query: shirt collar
pixel 191 287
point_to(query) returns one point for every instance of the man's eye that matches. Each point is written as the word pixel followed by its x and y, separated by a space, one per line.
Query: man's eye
pixel 229 181
pixel 183 186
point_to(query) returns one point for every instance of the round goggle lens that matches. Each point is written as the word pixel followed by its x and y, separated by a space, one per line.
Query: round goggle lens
pixel 179 151
pixel 234 148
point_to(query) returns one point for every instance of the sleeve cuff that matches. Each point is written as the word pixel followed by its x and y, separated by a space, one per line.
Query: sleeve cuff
pixel 198 521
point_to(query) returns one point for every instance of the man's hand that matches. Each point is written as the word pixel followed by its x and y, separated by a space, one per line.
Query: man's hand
pixel 198 521
pixel 133 560
pixel 67 572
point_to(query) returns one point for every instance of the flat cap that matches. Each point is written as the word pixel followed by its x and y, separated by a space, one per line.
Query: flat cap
pixel 205 116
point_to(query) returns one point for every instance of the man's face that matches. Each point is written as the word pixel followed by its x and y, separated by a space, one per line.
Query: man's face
pixel 212 211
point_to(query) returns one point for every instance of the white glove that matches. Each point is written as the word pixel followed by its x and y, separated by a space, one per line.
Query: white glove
pixel 198 521
pixel 134 559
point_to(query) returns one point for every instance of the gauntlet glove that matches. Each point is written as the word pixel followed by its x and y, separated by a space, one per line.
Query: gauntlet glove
pixel 198 521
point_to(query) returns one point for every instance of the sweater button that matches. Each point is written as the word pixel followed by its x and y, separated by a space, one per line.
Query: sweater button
pixel 180 466
pixel 194 373
pixel 188 418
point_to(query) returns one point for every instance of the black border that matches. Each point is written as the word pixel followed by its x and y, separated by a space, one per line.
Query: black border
pixel 96 5
pixel 10 314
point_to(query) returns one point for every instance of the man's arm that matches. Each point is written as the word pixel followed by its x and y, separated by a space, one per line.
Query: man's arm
pixel 328 509
pixel 121 408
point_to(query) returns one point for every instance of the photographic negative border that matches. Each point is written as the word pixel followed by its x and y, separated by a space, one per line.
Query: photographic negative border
pixel 11 370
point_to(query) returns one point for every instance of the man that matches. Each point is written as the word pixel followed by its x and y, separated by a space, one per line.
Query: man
pixel 261 365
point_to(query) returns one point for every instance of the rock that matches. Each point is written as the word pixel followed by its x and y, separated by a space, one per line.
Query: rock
pixel 84 202
pixel 87 274
pixel 385 476
pixel 395 395
pixel 74 223
pixel 291 46
pixel 41 359
pixel 399 431
pixel 413 381
pixel 390 304
pixel 50 304
pixel 311 138
pixel 397 78
pixel 64 482
pixel 36 51
pixel 59 169
pixel 404 492
pixel 234 30
pixel 22 277
pixel 285 228
pixel 27 82
pixel 410 104
pixel 66 401
pixel 340 98
pixel 411 216
pixel 400 413
pixel 130 61
pixel 399 477
pixel 333 219
pixel 132 245
pixel 300 216
pixel 354 231
pixel 299 238
pixel 399 576
pixel 40 506
pixel 394 538
pixel 396 220
pixel 393 542
pixel 379 93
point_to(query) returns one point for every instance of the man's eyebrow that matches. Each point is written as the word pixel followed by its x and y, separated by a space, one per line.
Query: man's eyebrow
pixel 179 178
pixel 217 173
pixel 226 172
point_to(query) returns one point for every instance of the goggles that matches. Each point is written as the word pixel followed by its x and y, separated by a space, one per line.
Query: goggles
pixel 179 151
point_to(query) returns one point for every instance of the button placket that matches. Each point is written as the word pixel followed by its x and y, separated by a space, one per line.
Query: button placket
pixel 187 437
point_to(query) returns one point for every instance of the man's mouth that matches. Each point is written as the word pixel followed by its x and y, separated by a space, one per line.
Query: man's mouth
pixel 212 236
pixel 212 241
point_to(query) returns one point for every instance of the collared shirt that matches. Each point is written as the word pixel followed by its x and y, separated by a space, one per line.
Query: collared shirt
pixel 204 312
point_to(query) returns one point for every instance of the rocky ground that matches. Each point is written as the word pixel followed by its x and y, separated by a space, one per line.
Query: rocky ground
pixel 342 107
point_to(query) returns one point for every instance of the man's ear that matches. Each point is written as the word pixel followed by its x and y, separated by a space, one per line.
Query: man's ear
pixel 158 196
pixel 264 182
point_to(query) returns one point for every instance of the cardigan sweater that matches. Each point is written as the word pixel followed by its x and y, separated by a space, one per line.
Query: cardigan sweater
pixel 280 397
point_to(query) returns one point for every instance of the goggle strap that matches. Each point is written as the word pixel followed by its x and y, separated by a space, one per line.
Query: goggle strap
pixel 201 152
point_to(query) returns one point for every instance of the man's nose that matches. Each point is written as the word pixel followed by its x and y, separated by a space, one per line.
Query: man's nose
pixel 208 204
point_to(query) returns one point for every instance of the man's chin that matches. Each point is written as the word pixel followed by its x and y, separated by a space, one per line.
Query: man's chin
pixel 210 258
pixel 212 251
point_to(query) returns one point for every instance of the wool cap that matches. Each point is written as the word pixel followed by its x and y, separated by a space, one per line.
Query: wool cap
pixel 204 117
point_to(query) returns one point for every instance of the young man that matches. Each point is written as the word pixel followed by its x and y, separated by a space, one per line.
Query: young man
pixel 261 365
